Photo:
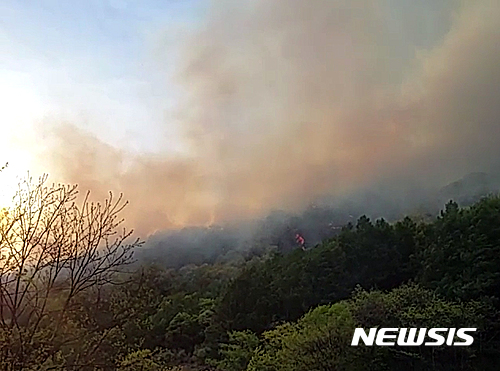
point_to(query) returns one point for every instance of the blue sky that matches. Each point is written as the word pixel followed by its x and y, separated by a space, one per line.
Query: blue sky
pixel 103 66
pixel 93 63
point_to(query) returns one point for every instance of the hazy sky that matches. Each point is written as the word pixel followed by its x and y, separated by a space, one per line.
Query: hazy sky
pixel 91 63
pixel 204 111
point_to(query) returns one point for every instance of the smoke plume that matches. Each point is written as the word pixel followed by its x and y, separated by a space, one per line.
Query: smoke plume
pixel 286 102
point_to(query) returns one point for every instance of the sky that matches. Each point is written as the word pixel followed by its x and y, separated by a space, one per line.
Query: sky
pixel 89 62
pixel 205 111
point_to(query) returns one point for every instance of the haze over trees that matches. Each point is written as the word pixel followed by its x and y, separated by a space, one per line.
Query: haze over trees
pixel 71 300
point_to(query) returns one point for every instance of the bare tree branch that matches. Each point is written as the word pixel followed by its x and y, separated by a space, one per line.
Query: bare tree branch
pixel 53 247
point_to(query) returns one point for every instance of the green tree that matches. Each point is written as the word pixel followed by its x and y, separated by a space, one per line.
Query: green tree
pixel 460 251
pixel 237 352
pixel 318 341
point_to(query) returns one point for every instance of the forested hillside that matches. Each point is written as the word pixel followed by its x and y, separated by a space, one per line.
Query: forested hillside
pixel 241 240
pixel 269 311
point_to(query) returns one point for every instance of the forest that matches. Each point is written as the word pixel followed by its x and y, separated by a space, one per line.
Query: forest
pixel 73 297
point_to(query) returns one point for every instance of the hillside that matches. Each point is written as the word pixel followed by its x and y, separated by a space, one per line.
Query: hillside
pixel 267 308
pixel 298 310
pixel 277 231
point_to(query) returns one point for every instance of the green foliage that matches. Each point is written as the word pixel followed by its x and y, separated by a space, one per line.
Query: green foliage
pixel 138 361
pixel 145 360
pixel 411 306
pixel 460 251
pixel 318 341
pixel 284 287
pixel 294 311
pixel 236 354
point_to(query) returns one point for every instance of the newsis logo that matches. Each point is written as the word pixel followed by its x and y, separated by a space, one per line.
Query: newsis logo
pixel 393 336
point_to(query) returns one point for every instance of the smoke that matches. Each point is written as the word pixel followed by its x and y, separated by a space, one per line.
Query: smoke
pixel 286 102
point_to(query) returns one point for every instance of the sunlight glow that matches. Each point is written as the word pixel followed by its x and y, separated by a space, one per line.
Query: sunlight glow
pixel 20 109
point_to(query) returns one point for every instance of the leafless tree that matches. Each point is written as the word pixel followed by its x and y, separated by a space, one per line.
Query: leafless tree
pixel 53 244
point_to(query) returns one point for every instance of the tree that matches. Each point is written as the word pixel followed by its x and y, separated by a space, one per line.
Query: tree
pixel 238 351
pixel 53 248
pixel 460 251
pixel 320 340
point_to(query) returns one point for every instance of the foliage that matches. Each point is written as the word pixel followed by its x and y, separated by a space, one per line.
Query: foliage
pixel 284 287
pixel 67 304
pixel 320 340
pixel 460 251
pixel 236 354
pixel 145 360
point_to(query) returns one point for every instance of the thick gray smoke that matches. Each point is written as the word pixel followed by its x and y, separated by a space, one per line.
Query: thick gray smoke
pixel 287 102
